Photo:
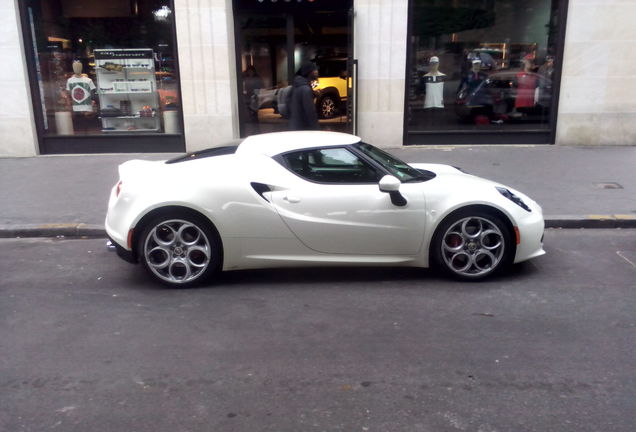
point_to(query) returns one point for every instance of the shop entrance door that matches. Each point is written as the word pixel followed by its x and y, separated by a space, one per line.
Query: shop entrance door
pixel 273 40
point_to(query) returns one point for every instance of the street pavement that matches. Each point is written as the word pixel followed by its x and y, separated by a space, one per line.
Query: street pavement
pixel 91 343
pixel 577 187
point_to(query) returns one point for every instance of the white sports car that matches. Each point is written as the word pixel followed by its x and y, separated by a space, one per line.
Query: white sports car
pixel 314 198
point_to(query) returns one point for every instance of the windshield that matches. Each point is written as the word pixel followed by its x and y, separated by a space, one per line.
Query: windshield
pixel 396 167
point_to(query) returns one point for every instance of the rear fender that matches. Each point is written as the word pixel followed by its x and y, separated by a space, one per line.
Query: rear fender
pixel 151 212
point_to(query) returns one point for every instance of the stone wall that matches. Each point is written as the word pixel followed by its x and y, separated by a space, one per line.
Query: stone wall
pixel 17 130
pixel 380 47
pixel 598 89
pixel 208 73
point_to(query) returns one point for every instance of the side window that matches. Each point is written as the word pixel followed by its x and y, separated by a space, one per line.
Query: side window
pixel 330 165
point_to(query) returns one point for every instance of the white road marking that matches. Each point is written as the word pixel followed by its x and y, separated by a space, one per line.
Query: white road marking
pixel 620 254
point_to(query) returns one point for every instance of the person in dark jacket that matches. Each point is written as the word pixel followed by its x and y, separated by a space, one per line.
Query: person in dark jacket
pixel 303 114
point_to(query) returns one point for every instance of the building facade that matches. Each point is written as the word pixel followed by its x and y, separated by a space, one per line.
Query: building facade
pixel 181 75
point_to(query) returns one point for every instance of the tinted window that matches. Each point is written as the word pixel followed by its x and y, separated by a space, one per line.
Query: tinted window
pixel 331 165
pixel 332 68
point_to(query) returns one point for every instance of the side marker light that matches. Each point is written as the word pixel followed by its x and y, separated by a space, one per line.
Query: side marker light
pixel 130 238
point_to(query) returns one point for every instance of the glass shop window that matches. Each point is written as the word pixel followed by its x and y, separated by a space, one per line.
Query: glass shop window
pixel 105 67
pixel 482 65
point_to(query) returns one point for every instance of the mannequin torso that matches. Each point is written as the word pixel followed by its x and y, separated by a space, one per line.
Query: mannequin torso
pixel 434 80
pixel 80 87
pixel 526 85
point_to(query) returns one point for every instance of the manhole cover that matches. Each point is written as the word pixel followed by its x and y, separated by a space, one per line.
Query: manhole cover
pixel 610 185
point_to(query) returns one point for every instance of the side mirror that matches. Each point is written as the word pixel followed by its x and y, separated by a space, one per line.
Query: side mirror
pixel 391 185
pixel 388 183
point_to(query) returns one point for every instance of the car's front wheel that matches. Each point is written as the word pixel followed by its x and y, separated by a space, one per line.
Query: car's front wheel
pixel 179 250
pixel 471 245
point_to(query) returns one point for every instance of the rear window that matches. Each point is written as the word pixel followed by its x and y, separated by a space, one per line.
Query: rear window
pixel 211 152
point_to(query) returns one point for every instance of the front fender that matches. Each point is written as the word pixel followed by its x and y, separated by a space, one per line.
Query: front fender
pixel 441 203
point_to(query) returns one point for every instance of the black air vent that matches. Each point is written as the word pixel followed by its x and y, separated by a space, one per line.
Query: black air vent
pixel 260 189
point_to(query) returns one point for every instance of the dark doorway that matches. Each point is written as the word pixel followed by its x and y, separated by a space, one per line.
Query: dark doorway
pixel 273 40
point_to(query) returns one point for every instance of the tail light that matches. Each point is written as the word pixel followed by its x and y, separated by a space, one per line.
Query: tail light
pixel 118 190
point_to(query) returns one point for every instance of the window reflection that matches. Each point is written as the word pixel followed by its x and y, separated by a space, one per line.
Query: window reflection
pixel 274 40
pixel 482 65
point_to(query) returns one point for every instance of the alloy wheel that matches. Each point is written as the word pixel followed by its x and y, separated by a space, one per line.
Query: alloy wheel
pixel 473 247
pixel 177 251
pixel 327 107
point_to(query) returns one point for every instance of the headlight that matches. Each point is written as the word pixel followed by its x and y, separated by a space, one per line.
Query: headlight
pixel 514 198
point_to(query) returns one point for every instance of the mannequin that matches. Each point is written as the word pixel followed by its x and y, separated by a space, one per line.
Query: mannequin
pixel 474 77
pixel 526 85
pixel 80 88
pixel 545 85
pixel 434 85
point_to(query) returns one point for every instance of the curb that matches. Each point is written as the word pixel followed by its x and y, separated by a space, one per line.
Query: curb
pixel 82 230
pixel 591 221
pixel 52 230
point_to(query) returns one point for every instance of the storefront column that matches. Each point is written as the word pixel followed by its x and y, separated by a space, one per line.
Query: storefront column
pixel 598 90
pixel 380 47
pixel 17 128
pixel 206 59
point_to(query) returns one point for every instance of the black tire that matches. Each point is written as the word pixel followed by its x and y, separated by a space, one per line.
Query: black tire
pixel 327 106
pixel 472 244
pixel 180 249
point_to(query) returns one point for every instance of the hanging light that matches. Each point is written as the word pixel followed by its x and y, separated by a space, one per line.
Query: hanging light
pixel 162 14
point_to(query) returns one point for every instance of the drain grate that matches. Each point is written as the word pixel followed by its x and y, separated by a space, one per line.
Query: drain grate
pixel 610 185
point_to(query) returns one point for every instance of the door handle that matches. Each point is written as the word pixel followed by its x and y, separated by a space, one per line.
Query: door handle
pixel 292 199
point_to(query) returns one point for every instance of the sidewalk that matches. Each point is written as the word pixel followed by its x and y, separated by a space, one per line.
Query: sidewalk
pixel 578 187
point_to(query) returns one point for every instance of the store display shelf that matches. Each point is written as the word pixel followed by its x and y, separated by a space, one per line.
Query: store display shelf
pixel 132 117
pixel 102 92
pixel 129 130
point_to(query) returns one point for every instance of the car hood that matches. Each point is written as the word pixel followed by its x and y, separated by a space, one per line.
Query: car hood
pixel 455 175
pixel 437 168
pixel 456 178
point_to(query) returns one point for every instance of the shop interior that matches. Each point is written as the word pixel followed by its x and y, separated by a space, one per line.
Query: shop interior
pixel 105 68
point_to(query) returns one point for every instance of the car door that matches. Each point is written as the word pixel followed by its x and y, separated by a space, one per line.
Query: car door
pixel 338 207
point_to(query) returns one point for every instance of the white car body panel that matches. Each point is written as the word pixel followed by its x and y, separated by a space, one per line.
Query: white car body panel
pixel 300 223
pixel 360 217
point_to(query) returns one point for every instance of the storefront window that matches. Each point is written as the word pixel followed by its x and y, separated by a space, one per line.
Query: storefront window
pixel 482 65
pixel 274 39
pixel 103 68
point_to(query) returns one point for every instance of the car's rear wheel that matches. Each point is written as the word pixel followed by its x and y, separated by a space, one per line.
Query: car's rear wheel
pixel 327 107
pixel 473 244
pixel 179 250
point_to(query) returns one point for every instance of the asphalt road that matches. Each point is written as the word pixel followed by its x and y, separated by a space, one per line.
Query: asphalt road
pixel 89 343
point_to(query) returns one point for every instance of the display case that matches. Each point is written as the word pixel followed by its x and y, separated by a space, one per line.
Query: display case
pixel 127 89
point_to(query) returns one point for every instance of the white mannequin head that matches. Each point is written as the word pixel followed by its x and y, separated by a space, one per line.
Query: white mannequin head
pixel 77 67
pixel 434 64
